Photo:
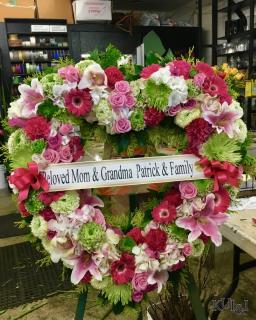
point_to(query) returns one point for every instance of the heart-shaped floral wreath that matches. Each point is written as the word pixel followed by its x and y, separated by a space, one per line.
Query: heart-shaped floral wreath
pixel 183 105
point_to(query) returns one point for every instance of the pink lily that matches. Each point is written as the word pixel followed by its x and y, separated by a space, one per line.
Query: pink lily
pixel 81 266
pixel 223 120
pixel 204 222
pixel 87 198
pixel 159 278
pixel 31 96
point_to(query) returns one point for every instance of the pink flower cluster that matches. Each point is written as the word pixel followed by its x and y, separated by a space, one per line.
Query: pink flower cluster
pixel 122 97
pixel 63 145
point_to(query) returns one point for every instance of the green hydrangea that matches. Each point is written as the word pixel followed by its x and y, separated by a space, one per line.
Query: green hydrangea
pixel 186 116
pixel 99 285
pixel 17 140
pixel 50 80
pixel 67 204
pixel 39 227
pixel 33 204
pixel 197 248
pixel 137 120
pixel 103 112
pixel 126 244
pixel 204 186
pixel 91 235
pixel 193 91
pixel 157 95
pixel 38 146
pixel 221 147
pixel 241 130
pixel 175 232
pixel 82 65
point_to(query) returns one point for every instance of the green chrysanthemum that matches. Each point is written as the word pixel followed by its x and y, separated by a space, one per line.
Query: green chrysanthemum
pixel 21 157
pixel 67 204
pixel 138 218
pixel 204 186
pixel 33 204
pixel 39 227
pixel 91 235
pixel 186 116
pixel 118 293
pixel 38 146
pixel 221 147
pixel 175 232
pixel 103 112
pixel 119 221
pixel 157 95
pixel 197 248
pixel 17 141
pixel 137 120
pixel 100 285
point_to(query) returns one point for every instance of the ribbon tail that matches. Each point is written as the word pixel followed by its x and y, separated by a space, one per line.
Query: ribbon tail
pixel 23 195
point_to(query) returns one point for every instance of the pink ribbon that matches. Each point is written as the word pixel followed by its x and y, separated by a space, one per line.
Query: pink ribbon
pixel 23 179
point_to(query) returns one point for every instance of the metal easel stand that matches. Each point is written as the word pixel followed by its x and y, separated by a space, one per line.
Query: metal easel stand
pixel 237 269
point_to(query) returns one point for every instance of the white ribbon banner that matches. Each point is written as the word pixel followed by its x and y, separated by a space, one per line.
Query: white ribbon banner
pixel 122 172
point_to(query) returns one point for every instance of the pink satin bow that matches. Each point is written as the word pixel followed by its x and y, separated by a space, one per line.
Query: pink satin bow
pixel 221 172
pixel 23 179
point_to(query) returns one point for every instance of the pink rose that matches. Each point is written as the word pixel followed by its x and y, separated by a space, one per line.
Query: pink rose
pixel 65 154
pixel 55 142
pixel 137 296
pixel 140 281
pixel 66 129
pixel 199 79
pixel 69 73
pixel 130 101
pixel 122 86
pixel 122 125
pixel 51 156
pixel 117 100
pixel 172 111
pixel 187 249
pixel 187 190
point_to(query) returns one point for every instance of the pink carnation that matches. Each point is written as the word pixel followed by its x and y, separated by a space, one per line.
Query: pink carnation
pixel 148 71
pixel 187 190
pixel 180 68
pixel 78 102
pixel 69 73
pixel 47 214
pixel 76 148
pixel 136 235
pixel 65 154
pixel 153 117
pixel 51 156
pixel 113 74
pixel 122 125
pixel 204 68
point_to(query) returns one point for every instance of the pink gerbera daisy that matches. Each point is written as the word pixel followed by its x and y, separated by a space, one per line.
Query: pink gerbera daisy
pixel 122 271
pixel 164 213
pixel 222 201
pixel 78 102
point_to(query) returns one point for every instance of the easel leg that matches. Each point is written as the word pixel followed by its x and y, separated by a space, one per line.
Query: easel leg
pixel 81 304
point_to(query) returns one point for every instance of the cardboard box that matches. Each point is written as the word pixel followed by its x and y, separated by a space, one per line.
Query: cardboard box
pixel 22 9
pixel 55 9
pixel 92 10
